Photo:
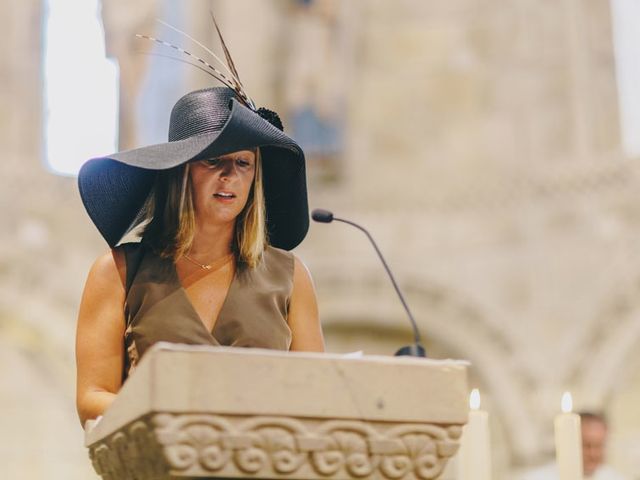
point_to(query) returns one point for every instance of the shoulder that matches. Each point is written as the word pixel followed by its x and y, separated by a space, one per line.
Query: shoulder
pixel 300 269
pixel 128 257
pixel 109 268
pixel 286 259
pixel 301 276
pixel 276 259
pixel 287 268
pixel 104 290
pixel 113 263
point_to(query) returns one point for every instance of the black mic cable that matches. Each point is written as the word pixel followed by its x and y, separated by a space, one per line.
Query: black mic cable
pixel 415 350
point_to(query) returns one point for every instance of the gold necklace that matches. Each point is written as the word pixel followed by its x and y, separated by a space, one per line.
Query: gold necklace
pixel 208 266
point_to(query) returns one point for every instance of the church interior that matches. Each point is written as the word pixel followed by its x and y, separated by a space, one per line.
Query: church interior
pixel 489 146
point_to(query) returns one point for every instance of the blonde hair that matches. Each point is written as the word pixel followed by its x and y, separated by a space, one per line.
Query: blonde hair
pixel 171 217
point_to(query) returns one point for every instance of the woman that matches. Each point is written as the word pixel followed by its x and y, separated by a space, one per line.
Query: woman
pixel 223 201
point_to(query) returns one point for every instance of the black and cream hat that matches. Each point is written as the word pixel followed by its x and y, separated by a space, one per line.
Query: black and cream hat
pixel 204 124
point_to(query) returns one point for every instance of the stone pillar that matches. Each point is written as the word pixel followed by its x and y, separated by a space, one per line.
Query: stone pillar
pixel 122 20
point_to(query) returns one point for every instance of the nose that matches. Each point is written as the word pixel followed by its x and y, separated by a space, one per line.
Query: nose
pixel 228 170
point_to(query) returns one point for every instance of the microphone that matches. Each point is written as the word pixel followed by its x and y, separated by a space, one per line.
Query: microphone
pixel 416 350
pixel 322 216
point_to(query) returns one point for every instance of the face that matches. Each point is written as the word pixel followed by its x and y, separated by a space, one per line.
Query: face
pixel 221 186
pixel 594 436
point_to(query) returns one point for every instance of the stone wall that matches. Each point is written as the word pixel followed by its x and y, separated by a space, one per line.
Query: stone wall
pixel 46 249
pixel 482 151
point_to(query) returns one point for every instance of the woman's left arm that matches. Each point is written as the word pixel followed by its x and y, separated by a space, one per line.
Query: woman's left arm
pixel 303 318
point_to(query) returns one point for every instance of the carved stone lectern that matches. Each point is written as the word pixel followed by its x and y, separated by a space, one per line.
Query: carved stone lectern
pixel 220 412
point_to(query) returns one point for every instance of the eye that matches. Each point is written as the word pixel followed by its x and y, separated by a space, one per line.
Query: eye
pixel 244 163
pixel 211 162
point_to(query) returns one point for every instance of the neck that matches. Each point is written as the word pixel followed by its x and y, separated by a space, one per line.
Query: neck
pixel 212 241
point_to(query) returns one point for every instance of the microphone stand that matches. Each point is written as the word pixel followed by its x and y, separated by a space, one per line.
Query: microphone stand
pixel 415 350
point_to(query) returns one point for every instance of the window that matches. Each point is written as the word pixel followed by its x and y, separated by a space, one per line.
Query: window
pixel 80 86
pixel 625 15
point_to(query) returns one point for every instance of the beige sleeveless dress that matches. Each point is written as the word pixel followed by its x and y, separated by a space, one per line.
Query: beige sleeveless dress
pixel 254 312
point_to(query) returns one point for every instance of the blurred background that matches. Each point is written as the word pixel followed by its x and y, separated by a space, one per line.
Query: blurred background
pixel 490 146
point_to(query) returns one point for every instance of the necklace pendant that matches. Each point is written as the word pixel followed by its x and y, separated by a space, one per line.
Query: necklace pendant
pixel 206 266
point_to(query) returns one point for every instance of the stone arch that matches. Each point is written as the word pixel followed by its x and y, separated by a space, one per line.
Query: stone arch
pixel 448 318
pixel 610 345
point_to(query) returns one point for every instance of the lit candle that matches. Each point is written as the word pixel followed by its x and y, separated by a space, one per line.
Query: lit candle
pixel 475 451
pixel 568 441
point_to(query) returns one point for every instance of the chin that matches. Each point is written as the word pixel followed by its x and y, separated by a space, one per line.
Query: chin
pixel 224 217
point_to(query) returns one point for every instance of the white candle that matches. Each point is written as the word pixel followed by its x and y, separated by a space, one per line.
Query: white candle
pixel 475 451
pixel 568 441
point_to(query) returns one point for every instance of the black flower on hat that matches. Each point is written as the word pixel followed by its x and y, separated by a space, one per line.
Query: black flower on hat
pixel 272 117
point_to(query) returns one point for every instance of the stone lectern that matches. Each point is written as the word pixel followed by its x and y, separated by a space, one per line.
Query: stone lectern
pixel 207 412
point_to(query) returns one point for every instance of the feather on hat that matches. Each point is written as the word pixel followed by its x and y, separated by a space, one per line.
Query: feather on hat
pixel 204 124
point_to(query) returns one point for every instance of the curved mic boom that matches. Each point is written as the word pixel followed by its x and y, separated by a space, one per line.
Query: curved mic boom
pixel 415 350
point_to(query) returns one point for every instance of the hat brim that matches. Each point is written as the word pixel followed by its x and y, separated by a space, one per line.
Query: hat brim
pixel 114 188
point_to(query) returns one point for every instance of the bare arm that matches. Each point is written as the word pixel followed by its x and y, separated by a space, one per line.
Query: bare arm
pixel 303 316
pixel 99 336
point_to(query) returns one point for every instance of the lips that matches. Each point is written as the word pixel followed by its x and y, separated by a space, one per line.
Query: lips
pixel 224 195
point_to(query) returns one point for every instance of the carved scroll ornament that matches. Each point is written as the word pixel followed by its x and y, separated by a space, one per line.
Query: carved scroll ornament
pixel 192 445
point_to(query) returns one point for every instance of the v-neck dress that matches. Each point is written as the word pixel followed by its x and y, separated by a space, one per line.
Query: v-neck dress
pixel 157 308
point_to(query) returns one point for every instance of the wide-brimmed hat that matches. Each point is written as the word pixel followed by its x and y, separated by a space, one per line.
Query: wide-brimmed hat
pixel 204 124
